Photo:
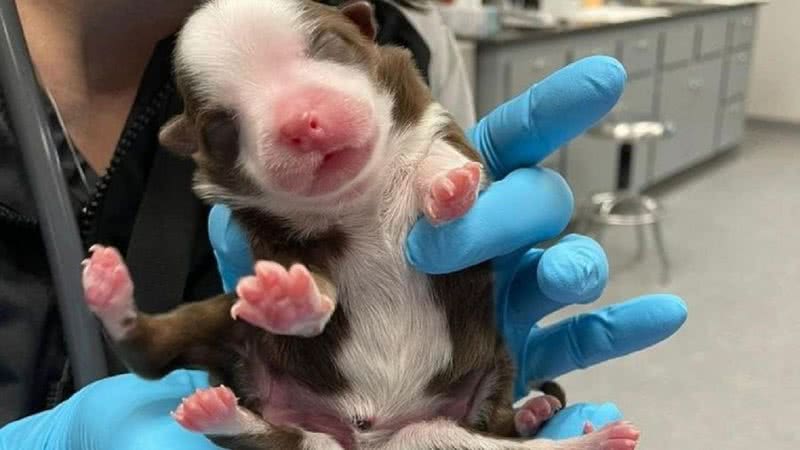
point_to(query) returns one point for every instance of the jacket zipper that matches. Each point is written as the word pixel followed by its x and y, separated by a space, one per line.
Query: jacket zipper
pixel 58 390
pixel 14 217
pixel 88 212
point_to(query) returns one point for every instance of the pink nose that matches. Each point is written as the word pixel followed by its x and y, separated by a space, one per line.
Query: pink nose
pixel 321 120
pixel 304 131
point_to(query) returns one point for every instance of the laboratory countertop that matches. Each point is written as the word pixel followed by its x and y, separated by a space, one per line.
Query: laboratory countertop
pixel 677 10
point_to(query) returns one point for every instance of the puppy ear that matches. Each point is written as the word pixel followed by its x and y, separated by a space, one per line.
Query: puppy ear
pixel 178 135
pixel 361 13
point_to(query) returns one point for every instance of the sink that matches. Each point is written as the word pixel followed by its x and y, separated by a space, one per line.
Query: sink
pixel 616 14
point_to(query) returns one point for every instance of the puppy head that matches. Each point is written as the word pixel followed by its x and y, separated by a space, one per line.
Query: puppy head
pixel 287 101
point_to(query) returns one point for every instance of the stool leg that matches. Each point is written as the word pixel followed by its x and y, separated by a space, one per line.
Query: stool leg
pixel 600 233
pixel 662 252
pixel 640 243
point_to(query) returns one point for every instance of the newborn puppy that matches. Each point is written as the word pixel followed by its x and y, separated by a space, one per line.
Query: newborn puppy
pixel 327 148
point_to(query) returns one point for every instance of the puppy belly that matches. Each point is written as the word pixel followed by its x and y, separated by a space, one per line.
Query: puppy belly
pixel 286 402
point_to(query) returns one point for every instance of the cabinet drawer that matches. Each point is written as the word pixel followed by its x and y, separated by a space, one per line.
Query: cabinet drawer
pixel 531 65
pixel 640 51
pixel 689 100
pixel 679 43
pixel 600 45
pixel 738 73
pixel 591 167
pixel 712 35
pixel 637 100
pixel 731 127
pixel 743 26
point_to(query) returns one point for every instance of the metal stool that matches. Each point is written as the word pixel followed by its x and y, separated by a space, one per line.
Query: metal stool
pixel 625 207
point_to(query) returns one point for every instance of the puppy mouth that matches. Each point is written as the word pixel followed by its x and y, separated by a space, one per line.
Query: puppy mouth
pixel 324 174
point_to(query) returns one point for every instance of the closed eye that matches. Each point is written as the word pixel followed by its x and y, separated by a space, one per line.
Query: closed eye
pixel 333 47
pixel 220 132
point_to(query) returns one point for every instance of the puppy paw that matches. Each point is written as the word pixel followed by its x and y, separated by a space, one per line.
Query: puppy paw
pixel 282 302
pixel 208 411
pixel 108 289
pixel 530 417
pixel 452 194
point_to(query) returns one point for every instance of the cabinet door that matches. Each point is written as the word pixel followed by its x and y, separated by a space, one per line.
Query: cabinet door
pixel 712 35
pixel 743 25
pixel 592 163
pixel 731 127
pixel 531 64
pixel 738 73
pixel 689 100
pixel 639 51
pixel 679 39
pixel 598 45
pixel 503 72
pixel 591 167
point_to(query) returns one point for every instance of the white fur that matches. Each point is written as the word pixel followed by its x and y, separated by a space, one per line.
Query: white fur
pixel 399 337
pixel 319 441
pixel 227 44
pixel 446 434
pixel 242 422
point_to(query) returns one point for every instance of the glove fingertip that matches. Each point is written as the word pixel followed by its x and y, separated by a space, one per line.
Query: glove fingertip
pixel 573 271
pixel 674 312
pixel 609 75
pixel 569 422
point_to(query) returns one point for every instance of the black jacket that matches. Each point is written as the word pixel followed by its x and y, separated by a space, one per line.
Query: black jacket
pixel 143 205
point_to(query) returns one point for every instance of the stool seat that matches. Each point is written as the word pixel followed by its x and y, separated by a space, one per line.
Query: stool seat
pixel 628 209
pixel 633 132
pixel 625 206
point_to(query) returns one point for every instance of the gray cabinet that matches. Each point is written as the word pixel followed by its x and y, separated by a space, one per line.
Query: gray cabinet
pixel 689 100
pixel 692 71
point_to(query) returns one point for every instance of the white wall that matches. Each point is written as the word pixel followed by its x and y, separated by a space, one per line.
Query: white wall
pixel 775 75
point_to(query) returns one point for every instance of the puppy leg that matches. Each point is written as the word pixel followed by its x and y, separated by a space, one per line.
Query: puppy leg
pixel 446 435
pixel 153 345
pixel 215 413
pixel 447 183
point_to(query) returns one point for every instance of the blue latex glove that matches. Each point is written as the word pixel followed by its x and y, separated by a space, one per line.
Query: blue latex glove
pixel 124 412
pixel 524 206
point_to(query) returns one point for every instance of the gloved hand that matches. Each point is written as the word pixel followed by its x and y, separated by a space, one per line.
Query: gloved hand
pixel 124 412
pixel 526 205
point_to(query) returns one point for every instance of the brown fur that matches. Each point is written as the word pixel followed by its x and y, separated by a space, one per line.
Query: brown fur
pixel 279 439
pixel 158 344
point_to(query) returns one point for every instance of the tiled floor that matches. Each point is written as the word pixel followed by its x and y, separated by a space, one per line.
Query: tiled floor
pixel 730 379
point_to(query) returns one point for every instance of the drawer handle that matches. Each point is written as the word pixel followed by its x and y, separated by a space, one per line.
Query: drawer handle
pixel 696 84
pixel 642 44
pixel 741 59
pixel 539 63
